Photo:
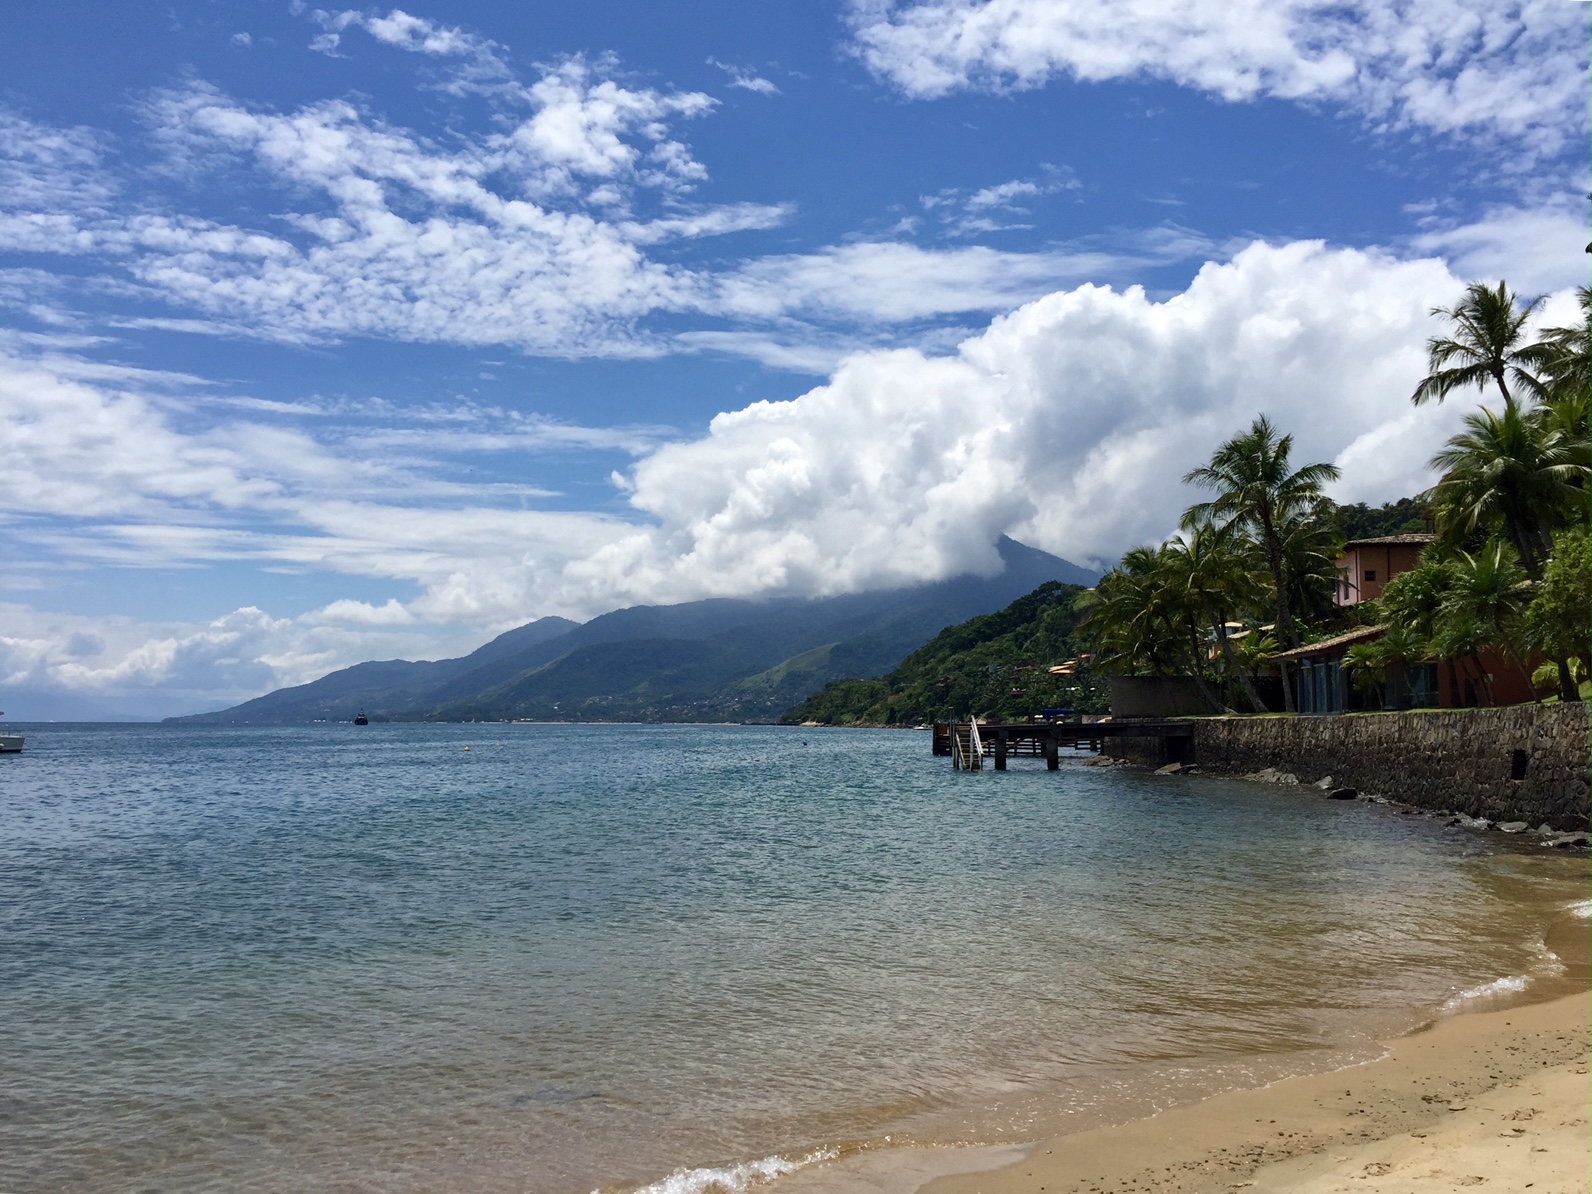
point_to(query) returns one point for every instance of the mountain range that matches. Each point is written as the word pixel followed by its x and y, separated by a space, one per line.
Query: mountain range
pixel 722 659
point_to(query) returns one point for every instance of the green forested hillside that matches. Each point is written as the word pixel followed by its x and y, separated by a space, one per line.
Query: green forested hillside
pixel 993 664
pixel 1360 521
pixel 722 659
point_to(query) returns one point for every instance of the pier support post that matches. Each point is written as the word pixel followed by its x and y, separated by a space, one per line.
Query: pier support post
pixel 1000 750
pixel 1052 753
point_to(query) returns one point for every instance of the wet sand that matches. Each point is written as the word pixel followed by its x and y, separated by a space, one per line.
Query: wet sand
pixel 1492 1100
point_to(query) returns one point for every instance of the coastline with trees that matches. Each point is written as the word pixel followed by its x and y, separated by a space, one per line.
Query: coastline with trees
pixel 1254 570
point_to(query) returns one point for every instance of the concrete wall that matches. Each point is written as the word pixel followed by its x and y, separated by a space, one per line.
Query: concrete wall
pixel 1461 759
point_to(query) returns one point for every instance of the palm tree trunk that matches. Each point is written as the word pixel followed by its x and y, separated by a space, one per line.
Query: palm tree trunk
pixel 1569 690
pixel 1250 694
pixel 1509 399
pixel 1285 621
pixel 1200 681
pixel 1486 680
pixel 1520 666
pixel 1528 554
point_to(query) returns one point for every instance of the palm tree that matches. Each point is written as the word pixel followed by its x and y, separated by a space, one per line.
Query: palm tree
pixel 1413 602
pixel 1486 347
pixel 1567 364
pixel 1256 493
pixel 1311 545
pixel 1567 416
pixel 1384 659
pixel 1490 591
pixel 1561 610
pixel 1514 472
pixel 1127 615
pixel 1142 618
pixel 1519 473
pixel 1213 569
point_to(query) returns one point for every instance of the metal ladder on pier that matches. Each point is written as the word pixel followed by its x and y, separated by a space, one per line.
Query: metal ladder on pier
pixel 967 749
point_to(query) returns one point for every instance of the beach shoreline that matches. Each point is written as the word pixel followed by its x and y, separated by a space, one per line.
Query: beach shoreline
pixel 1493 1098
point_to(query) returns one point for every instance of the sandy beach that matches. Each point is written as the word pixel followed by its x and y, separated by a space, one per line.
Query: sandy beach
pixel 1494 1100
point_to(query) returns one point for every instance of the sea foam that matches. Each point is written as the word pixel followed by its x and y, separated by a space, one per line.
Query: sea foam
pixel 1548 965
pixel 1507 985
pixel 732 1179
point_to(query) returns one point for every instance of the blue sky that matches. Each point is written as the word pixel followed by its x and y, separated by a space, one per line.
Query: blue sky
pixel 333 334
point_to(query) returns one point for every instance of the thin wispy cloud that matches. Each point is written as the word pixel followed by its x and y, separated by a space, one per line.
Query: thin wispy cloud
pixel 744 79
pixel 1000 207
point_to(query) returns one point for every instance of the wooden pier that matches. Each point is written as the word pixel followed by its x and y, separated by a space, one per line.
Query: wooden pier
pixel 968 746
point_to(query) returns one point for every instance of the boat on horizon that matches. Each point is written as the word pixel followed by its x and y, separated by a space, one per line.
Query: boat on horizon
pixel 360 719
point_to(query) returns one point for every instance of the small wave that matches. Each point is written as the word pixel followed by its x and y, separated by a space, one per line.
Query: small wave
pixel 1581 908
pixel 732 1179
pixel 1499 986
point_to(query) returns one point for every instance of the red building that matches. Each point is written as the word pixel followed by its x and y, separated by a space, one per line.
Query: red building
pixel 1325 687
pixel 1366 565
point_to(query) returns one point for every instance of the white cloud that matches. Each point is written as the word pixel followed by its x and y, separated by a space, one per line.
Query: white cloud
pixel 419 242
pixel 745 79
pixel 996 208
pixel 1465 67
pixel 1002 195
pixel 156 669
pixel 45 168
pixel 585 126
pixel 480 63
pixel 107 465
pixel 889 281
pixel 1066 423
pixel 362 613
pixel 1537 249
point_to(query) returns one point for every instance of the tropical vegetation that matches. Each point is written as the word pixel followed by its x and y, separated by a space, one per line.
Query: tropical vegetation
pixel 998 664
pixel 1505 576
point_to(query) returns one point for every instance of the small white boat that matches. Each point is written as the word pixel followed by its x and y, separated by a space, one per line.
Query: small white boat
pixel 10 743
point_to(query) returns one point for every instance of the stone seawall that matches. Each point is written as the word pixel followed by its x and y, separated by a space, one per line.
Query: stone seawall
pixel 1521 763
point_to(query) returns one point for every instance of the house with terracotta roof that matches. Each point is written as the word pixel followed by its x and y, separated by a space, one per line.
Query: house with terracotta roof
pixel 1366 565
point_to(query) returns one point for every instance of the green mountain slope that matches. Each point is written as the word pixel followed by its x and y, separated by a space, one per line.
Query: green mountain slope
pixel 992 664
pixel 715 660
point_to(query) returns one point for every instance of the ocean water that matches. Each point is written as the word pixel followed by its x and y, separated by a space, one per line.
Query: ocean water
pixel 564 958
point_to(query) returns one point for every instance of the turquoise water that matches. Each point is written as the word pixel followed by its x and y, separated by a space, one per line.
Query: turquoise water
pixel 329 958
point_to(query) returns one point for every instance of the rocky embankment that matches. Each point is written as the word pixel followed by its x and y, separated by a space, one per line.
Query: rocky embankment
pixel 1544 833
pixel 1524 765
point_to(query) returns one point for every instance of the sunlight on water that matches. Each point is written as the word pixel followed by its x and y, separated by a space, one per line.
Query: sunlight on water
pixel 580 957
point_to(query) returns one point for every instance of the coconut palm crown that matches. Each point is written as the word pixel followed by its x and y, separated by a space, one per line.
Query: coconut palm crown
pixel 1257 492
pixel 1512 472
pixel 1486 346
pixel 1567 363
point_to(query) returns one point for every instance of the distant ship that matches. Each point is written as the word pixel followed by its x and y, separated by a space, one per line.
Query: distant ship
pixel 360 719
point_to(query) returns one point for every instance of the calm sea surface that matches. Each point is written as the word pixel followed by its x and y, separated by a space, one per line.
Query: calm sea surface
pixel 330 958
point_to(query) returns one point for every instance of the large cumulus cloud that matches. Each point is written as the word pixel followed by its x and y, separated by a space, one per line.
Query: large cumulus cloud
pixel 1066 423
